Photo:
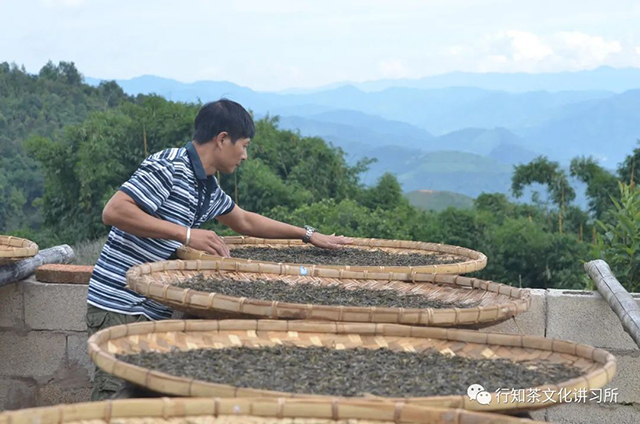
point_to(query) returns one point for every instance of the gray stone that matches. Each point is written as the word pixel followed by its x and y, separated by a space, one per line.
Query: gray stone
pixel 11 315
pixel 68 385
pixel 532 322
pixel 17 394
pixel 63 392
pixel 35 354
pixel 78 355
pixel 539 414
pixel 590 413
pixel 627 379
pixel 585 317
pixel 55 306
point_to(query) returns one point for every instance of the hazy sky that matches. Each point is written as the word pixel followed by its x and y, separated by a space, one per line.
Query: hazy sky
pixel 277 44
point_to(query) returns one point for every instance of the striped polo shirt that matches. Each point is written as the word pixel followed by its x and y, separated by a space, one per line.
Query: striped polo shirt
pixel 170 185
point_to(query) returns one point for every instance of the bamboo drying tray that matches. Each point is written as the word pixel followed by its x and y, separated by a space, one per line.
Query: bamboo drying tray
pixel 498 302
pixel 474 261
pixel 13 249
pixel 598 365
pixel 249 411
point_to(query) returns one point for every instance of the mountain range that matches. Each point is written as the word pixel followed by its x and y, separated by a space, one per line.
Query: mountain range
pixel 603 78
pixel 458 132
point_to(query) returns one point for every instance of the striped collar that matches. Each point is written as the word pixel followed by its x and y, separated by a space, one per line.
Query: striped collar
pixel 196 163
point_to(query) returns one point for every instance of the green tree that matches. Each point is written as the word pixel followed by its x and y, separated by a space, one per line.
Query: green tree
pixel 496 204
pixel 386 194
pixel 600 183
pixel 86 164
pixel 619 242
pixel 261 189
pixel 543 171
pixel 628 168
pixel 39 105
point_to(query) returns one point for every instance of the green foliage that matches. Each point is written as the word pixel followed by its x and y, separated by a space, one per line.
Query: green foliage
pixel 65 72
pixel 308 163
pixel 260 189
pixel 387 194
pixel 460 227
pixel 433 200
pixel 88 252
pixel 39 106
pixel 627 170
pixel 286 170
pixel 495 203
pixel 542 170
pixel 619 245
pixel 617 217
pixel 351 218
pixel 600 184
pixel 521 252
pixel 86 163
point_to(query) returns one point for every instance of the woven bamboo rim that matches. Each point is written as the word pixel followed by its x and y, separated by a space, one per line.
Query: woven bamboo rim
pixel 14 249
pixel 475 261
pixel 262 410
pixel 598 365
pixel 498 302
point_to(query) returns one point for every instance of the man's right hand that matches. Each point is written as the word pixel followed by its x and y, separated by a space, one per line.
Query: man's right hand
pixel 209 242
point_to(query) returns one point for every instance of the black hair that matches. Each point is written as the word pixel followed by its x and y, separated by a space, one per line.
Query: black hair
pixel 223 115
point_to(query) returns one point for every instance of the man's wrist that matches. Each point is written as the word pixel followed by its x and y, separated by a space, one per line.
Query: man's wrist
pixel 175 232
pixel 309 230
pixel 188 237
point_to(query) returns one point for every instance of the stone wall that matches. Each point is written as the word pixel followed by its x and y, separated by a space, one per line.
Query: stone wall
pixel 43 353
pixel 585 317
pixel 43 359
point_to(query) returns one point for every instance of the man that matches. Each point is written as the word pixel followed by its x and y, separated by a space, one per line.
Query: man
pixel 161 207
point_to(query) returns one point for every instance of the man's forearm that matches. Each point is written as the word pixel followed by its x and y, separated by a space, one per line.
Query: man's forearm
pixel 263 227
pixel 128 217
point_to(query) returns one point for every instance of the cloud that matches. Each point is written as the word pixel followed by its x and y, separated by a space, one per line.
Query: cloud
pixel 62 3
pixel 522 51
pixel 585 49
pixel 394 68
pixel 280 44
pixel 498 58
pixel 525 46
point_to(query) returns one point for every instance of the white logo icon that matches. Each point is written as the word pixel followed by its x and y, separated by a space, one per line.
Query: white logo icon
pixel 479 394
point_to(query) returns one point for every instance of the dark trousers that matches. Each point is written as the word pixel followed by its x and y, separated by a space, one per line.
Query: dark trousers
pixel 106 385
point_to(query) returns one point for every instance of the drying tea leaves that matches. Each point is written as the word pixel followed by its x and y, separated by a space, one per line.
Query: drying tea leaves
pixel 350 372
pixel 317 294
pixel 344 256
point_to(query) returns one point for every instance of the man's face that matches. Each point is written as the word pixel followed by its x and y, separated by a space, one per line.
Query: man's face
pixel 233 154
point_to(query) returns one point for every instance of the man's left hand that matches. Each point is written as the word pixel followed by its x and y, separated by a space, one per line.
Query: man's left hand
pixel 329 242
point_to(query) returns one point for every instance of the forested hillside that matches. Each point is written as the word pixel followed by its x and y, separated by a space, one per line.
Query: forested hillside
pixel 41 105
